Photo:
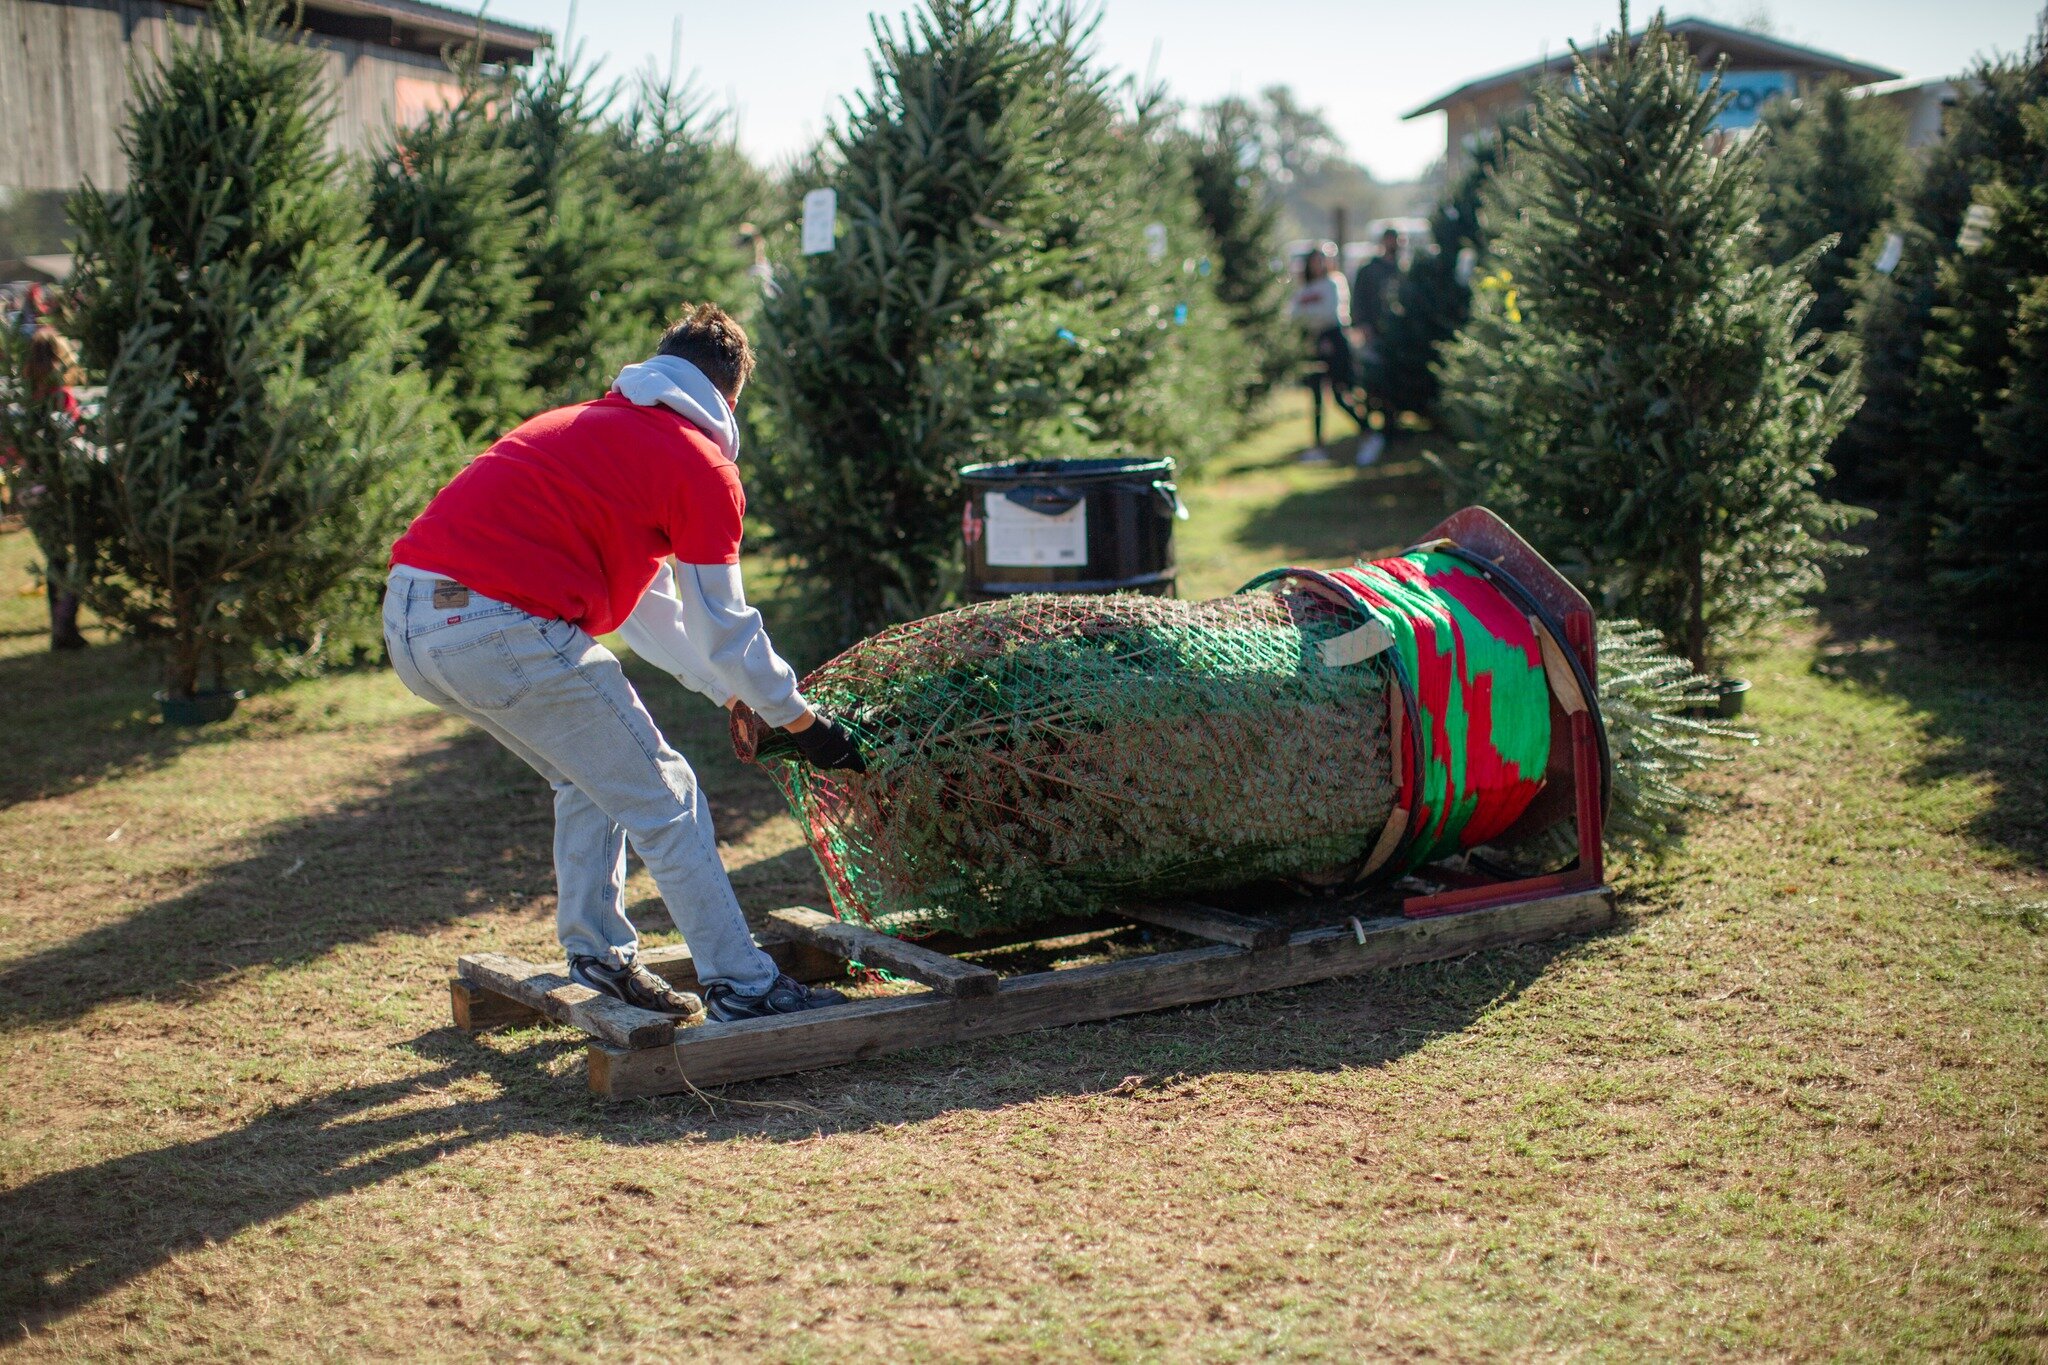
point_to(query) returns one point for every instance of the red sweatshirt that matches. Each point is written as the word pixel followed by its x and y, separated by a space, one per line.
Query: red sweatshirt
pixel 571 513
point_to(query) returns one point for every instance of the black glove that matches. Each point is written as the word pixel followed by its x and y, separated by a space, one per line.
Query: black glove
pixel 824 743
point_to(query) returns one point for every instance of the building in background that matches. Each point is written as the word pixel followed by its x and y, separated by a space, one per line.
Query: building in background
pixel 64 90
pixel 1923 105
pixel 1760 68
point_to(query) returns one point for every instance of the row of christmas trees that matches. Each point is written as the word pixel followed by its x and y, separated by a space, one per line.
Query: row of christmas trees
pixel 295 351
pixel 1594 405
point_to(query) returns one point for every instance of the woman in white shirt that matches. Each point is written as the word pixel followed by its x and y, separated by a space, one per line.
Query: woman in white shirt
pixel 1322 307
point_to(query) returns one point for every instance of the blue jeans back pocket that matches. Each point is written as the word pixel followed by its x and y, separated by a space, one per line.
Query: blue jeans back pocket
pixel 482 673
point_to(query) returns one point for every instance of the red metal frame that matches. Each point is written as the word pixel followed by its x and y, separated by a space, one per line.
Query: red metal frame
pixel 1486 538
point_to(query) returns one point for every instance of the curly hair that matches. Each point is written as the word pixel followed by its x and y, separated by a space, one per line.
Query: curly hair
pixel 711 339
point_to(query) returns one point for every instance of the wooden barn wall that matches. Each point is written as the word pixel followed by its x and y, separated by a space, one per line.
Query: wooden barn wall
pixel 64 86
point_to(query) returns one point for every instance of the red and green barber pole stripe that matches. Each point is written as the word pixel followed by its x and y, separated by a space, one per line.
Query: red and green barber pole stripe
pixel 1477 672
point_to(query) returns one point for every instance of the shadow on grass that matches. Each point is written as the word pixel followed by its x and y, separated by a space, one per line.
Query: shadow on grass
pixel 79 1234
pixel 462 826
pixel 78 717
pixel 1884 629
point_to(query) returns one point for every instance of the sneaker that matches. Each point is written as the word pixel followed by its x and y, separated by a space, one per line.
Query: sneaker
pixel 635 985
pixel 1370 449
pixel 1315 455
pixel 786 996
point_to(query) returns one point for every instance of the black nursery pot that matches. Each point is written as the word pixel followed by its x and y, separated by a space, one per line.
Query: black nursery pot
pixel 1732 692
pixel 201 708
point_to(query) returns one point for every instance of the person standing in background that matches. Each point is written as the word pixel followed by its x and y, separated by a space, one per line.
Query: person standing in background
pixel 1374 291
pixel 1378 284
pixel 1322 309
pixel 50 378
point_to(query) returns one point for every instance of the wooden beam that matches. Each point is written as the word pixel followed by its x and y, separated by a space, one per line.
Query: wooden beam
pixel 946 975
pixel 555 995
pixel 476 1009
pixel 801 960
pixel 1206 921
pixel 714 1054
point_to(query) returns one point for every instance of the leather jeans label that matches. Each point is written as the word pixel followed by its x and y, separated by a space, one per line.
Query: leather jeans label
pixel 448 593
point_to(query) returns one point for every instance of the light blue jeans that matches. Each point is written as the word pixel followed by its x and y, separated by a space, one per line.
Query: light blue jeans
pixel 558 699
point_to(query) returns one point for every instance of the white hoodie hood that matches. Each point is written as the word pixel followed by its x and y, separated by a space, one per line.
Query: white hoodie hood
pixel 678 385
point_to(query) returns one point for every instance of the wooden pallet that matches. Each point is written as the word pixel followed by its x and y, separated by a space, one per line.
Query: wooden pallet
pixel 636 1053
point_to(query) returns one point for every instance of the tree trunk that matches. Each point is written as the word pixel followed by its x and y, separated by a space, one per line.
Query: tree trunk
pixel 64 632
pixel 1696 608
pixel 181 674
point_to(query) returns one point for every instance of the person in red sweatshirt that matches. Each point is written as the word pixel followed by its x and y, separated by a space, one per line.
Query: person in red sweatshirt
pixel 619 514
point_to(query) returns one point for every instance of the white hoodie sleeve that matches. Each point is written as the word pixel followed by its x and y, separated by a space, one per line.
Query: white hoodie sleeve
pixel 694 622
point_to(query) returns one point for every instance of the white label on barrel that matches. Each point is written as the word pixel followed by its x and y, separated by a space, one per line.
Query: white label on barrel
pixel 1020 536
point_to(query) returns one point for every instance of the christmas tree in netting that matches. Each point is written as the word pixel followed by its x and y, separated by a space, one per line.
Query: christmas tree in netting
pixel 1050 756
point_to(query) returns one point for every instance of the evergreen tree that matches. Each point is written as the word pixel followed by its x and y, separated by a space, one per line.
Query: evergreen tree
pixel 442 193
pixel 1636 392
pixel 1435 297
pixel 1990 351
pixel 1152 362
pixel 1918 423
pixel 999 292
pixel 265 437
pixel 593 263
pixel 1241 212
pixel 676 162
pixel 1831 169
pixel 884 361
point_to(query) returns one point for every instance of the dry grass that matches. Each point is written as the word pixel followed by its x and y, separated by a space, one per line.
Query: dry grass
pixel 1794 1107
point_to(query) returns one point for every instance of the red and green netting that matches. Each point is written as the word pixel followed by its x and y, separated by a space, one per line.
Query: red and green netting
pixel 1476 757
pixel 1054 755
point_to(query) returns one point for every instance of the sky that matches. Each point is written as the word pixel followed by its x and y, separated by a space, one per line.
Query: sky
pixel 786 66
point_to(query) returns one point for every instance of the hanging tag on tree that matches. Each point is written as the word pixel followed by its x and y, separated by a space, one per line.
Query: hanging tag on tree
pixel 1978 225
pixel 821 207
pixel 1155 242
pixel 1894 250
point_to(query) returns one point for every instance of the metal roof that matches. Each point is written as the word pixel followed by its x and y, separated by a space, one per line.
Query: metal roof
pixel 1746 47
pixel 446 21
pixel 410 25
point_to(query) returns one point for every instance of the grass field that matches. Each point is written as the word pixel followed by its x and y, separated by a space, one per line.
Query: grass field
pixel 1794 1106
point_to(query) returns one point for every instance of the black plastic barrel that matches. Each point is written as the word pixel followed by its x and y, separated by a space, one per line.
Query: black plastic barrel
pixel 1069 526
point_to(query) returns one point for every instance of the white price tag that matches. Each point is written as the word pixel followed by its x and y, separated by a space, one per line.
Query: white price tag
pixel 820 208
pixel 1019 536
pixel 1155 242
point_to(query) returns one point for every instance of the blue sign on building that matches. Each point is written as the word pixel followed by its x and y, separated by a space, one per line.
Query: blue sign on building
pixel 1750 91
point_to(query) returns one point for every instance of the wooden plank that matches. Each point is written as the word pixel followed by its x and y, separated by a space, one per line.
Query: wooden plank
pixel 476 1009
pixel 1206 921
pixel 555 995
pixel 714 1054
pixel 477 1005
pixel 946 975
pixel 673 964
